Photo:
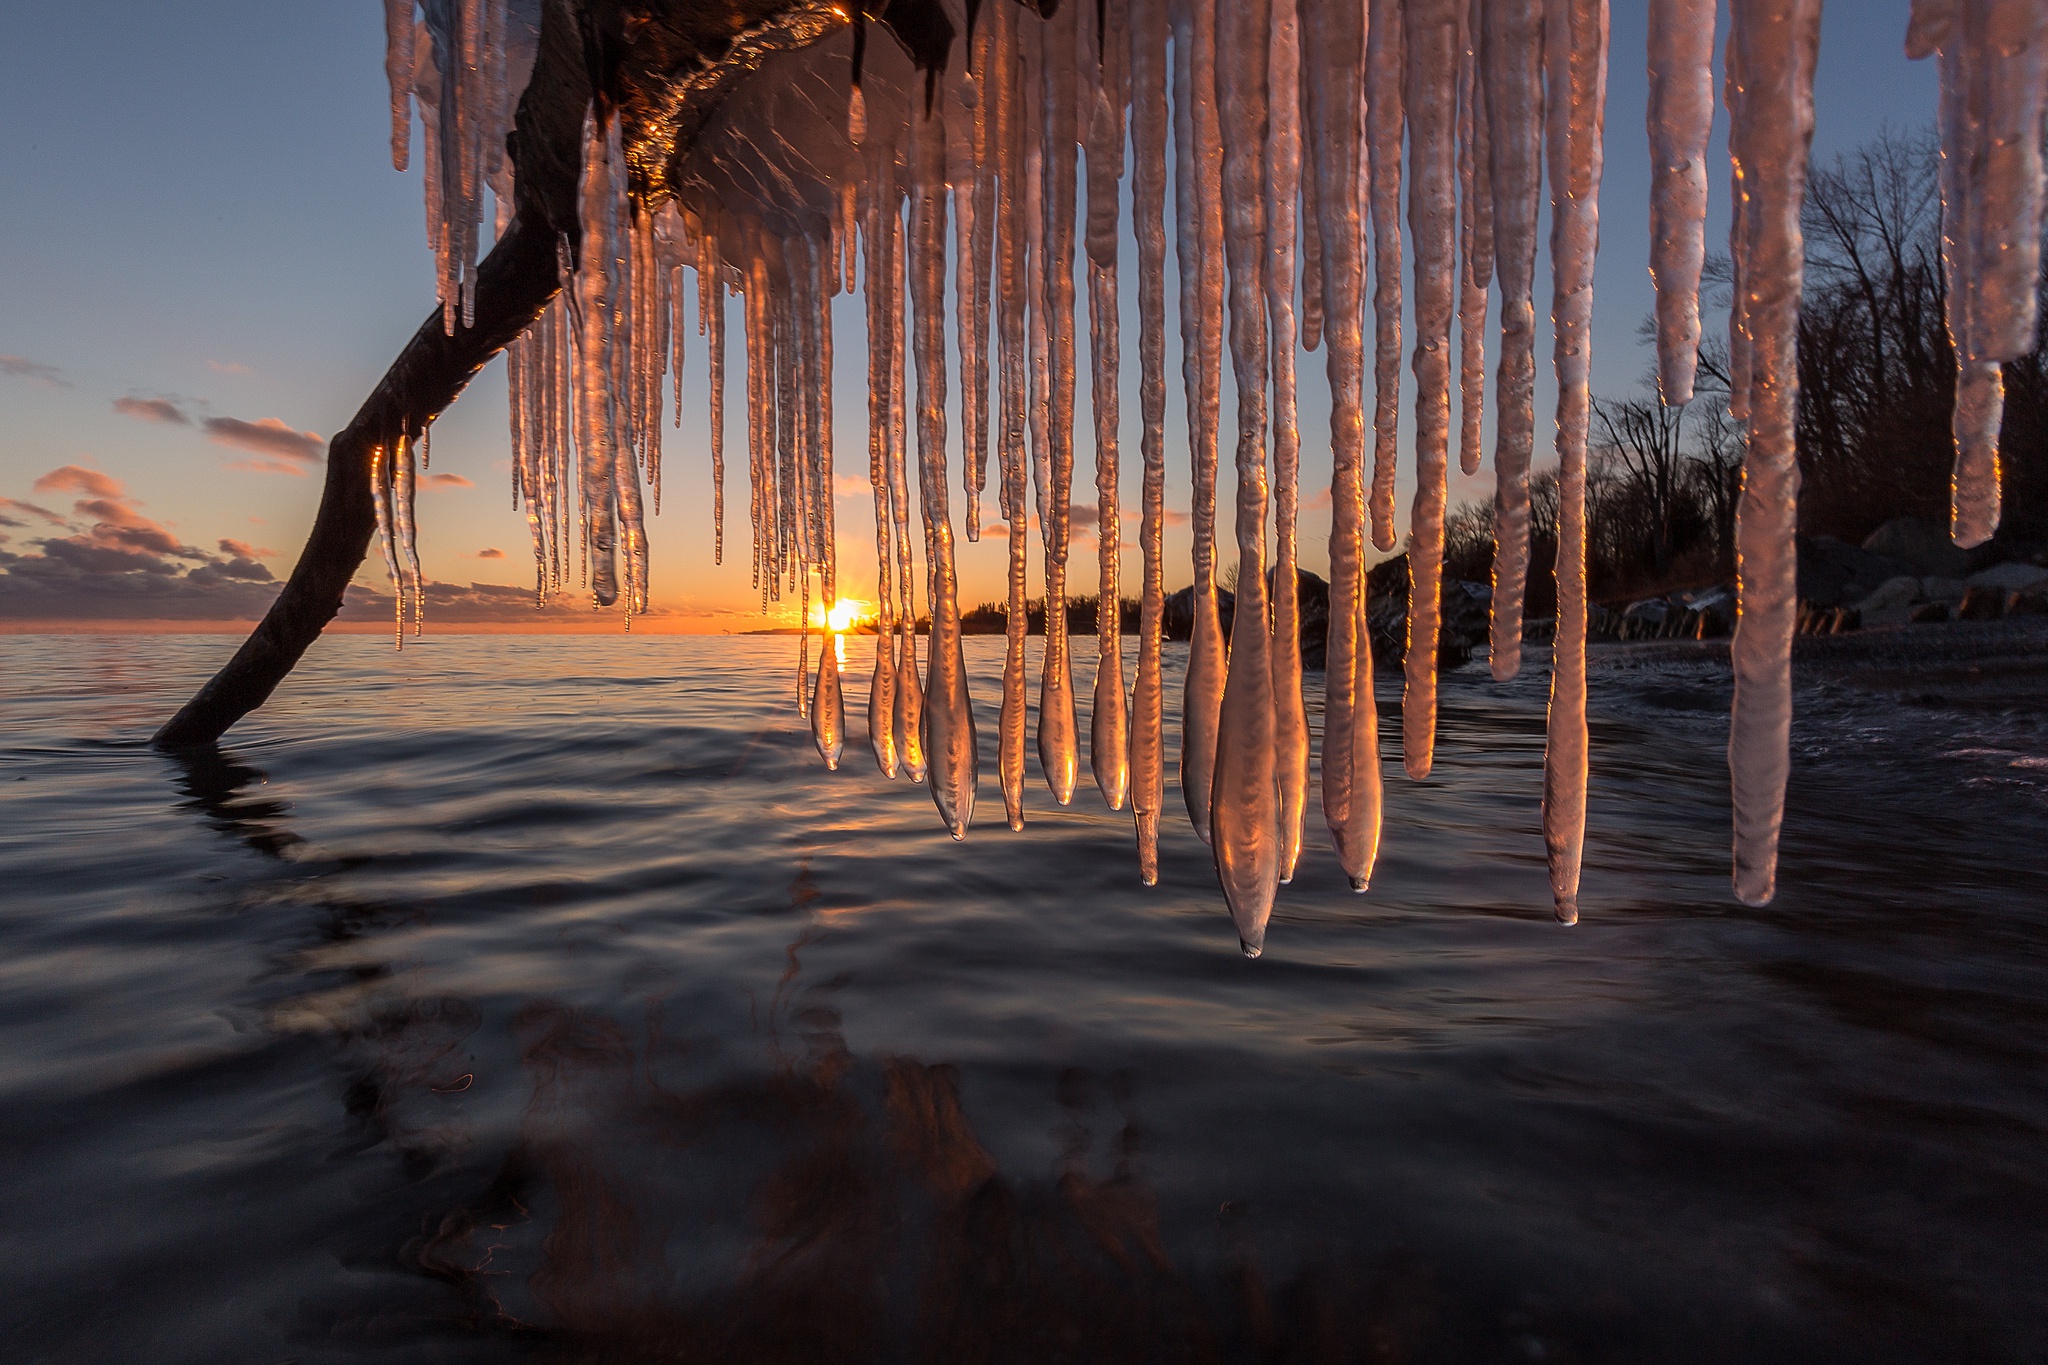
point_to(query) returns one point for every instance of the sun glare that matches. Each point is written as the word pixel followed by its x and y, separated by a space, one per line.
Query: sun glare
pixel 846 613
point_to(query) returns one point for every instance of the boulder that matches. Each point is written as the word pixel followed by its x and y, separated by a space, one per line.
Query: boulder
pixel 1939 589
pixel 1923 545
pixel 1927 612
pixel 2031 602
pixel 2009 577
pixel 1833 572
pixel 1982 604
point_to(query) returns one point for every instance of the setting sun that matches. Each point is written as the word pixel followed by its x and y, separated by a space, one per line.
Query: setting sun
pixel 846 613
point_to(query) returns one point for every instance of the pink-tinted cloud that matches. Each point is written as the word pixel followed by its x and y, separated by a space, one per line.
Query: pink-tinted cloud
pixel 490 552
pixel 73 478
pixel 152 410
pixel 35 371
pixel 447 481
pixel 268 437
pixel 227 367
pixel 12 505
pixel 242 549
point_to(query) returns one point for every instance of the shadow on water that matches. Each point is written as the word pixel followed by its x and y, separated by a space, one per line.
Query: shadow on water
pixel 218 786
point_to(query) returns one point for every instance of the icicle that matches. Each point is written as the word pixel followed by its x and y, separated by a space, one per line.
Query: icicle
pixel 909 714
pixel 948 737
pixel 381 462
pixel 1771 132
pixel 1681 118
pixel 1148 205
pixel 1575 56
pixel 400 41
pixel 1283 189
pixel 965 153
pixel 882 691
pixel 711 317
pixel 1008 83
pixel 1385 118
pixel 1333 50
pixel 1475 244
pixel 1057 746
pixel 1109 748
pixel 1431 94
pixel 1245 810
pixel 594 299
pixel 1991 63
pixel 1198 243
pixel 828 707
pixel 1512 51
pixel 1311 209
pixel 626 465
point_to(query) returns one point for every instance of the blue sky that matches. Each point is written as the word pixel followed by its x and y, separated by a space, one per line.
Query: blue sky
pixel 201 219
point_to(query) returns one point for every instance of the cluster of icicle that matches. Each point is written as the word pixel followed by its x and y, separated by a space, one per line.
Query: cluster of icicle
pixel 1285 122
pixel 463 64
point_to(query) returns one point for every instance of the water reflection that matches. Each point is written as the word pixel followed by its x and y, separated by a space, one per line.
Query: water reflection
pixel 216 785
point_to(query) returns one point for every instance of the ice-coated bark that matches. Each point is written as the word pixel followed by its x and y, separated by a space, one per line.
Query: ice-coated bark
pixel 1385 120
pixel 1575 58
pixel 1681 118
pixel 1475 241
pixel 948 739
pixel 1058 746
pixel 1432 83
pixel 1198 242
pixel 1012 241
pixel 1283 191
pixel 1770 134
pixel 1148 208
pixel 1245 803
pixel 1512 55
pixel 1109 743
pixel 1333 51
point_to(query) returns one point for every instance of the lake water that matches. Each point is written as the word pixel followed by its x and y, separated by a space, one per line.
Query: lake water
pixel 542 998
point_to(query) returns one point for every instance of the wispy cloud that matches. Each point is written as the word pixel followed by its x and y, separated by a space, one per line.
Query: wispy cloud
pixel 447 481
pixel 242 549
pixel 152 410
pixel 35 371
pixel 490 552
pixel 8 505
pixel 73 478
pixel 268 437
pixel 227 367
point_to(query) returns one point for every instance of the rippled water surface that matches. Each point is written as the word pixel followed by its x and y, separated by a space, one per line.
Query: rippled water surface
pixel 543 998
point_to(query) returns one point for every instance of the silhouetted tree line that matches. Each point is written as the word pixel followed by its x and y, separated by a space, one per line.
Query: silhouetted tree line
pixel 1876 386
pixel 993 618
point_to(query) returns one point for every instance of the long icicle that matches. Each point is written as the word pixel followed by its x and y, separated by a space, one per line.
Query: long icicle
pixel 1385 60
pixel 1245 813
pixel 1770 134
pixel 1333 39
pixel 1010 248
pixel 1198 243
pixel 1475 242
pixel 1109 745
pixel 1512 51
pixel 1148 206
pixel 1283 189
pixel 1681 119
pixel 828 705
pixel 1431 93
pixel 909 715
pixel 948 738
pixel 595 299
pixel 882 689
pixel 1058 749
pixel 1575 55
